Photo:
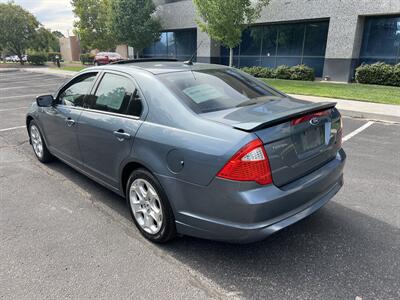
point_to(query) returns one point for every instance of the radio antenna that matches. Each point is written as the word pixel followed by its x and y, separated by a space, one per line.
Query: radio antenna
pixel 190 61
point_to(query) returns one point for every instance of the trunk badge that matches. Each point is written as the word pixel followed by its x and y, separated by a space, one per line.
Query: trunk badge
pixel 315 121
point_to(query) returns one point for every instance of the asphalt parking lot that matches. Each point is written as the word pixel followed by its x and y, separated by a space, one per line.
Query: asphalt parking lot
pixel 64 236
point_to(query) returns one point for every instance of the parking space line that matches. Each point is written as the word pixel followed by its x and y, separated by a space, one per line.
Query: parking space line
pixel 25 81
pixel 12 128
pixel 19 96
pixel 26 87
pixel 15 108
pixel 357 131
pixel 27 76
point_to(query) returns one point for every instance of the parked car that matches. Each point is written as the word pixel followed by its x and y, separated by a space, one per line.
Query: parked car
pixel 15 58
pixel 104 58
pixel 11 58
pixel 197 149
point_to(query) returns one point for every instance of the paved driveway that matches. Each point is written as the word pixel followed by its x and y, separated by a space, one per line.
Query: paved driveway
pixel 62 235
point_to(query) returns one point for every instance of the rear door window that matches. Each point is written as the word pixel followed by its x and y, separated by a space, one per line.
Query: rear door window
pixel 113 94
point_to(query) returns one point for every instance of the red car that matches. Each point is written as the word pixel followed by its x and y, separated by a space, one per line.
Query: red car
pixel 104 58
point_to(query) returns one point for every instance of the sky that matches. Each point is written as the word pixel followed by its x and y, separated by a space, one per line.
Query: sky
pixel 53 14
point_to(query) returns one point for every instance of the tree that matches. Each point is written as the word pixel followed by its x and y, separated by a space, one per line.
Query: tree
pixel 92 26
pixel 225 20
pixel 134 23
pixel 57 34
pixel 45 41
pixel 17 28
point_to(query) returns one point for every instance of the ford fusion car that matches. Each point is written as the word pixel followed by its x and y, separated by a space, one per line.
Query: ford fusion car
pixel 196 149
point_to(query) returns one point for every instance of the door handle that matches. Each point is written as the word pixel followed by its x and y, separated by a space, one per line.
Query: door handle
pixel 69 122
pixel 121 135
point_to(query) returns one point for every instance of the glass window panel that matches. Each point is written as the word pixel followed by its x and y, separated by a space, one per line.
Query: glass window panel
pixel 160 47
pixel 381 38
pixel 251 41
pixel 212 90
pixel 171 50
pixel 186 43
pixel 180 44
pixel 269 40
pixel 316 36
pixel 113 94
pixel 290 39
pixel 74 94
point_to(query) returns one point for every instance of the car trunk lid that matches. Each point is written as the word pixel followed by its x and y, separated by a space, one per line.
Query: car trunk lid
pixel 298 136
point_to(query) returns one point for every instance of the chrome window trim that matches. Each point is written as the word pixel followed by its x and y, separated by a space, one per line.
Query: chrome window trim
pixel 100 112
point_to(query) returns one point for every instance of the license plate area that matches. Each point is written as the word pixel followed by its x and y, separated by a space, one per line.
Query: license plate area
pixel 312 138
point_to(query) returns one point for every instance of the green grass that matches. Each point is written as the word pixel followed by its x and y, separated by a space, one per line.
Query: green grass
pixel 352 91
pixel 73 68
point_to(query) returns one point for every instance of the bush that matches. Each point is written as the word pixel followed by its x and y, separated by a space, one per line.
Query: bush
pixel 38 58
pixel 378 73
pixel 283 72
pixel 51 56
pixel 395 79
pixel 87 58
pixel 260 72
pixel 302 72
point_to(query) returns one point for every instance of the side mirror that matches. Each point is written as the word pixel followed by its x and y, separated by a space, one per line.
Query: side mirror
pixel 44 101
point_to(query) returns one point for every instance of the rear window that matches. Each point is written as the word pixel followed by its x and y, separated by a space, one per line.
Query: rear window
pixel 218 89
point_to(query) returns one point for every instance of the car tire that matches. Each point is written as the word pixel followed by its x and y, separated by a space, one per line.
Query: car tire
pixel 38 144
pixel 145 207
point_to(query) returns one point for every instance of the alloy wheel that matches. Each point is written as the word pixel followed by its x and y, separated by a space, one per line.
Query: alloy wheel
pixel 37 142
pixel 146 206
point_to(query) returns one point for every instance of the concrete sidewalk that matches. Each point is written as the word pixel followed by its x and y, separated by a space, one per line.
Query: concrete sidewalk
pixel 360 109
pixel 350 108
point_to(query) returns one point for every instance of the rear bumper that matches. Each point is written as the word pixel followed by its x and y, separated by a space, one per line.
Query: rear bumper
pixel 246 212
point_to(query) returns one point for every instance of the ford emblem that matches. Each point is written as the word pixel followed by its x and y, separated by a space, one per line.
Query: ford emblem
pixel 314 121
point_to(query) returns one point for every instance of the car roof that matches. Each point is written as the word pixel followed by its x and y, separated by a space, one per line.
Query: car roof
pixel 162 67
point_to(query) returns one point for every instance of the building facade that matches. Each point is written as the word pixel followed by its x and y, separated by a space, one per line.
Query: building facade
pixel 70 48
pixel 332 36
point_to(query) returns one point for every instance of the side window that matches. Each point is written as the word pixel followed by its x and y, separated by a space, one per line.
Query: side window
pixel 114 94
pixel 135 107
pixel 74 94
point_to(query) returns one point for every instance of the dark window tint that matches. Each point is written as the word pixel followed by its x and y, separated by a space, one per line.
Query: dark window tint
pixel 75 93
pixel 113 94
pixel 290 39
pixel 269 40
pixel 281 44
pixel 212 90
pixel 381 40
pixel 316 35
pixel 180 44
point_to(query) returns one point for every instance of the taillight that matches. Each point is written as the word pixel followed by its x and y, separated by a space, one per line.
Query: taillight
pixel 250 163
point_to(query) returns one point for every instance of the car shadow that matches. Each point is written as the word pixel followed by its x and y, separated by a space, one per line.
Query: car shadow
pixel 337 253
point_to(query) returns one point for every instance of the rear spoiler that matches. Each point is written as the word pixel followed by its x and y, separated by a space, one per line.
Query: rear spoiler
pixel 284 116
